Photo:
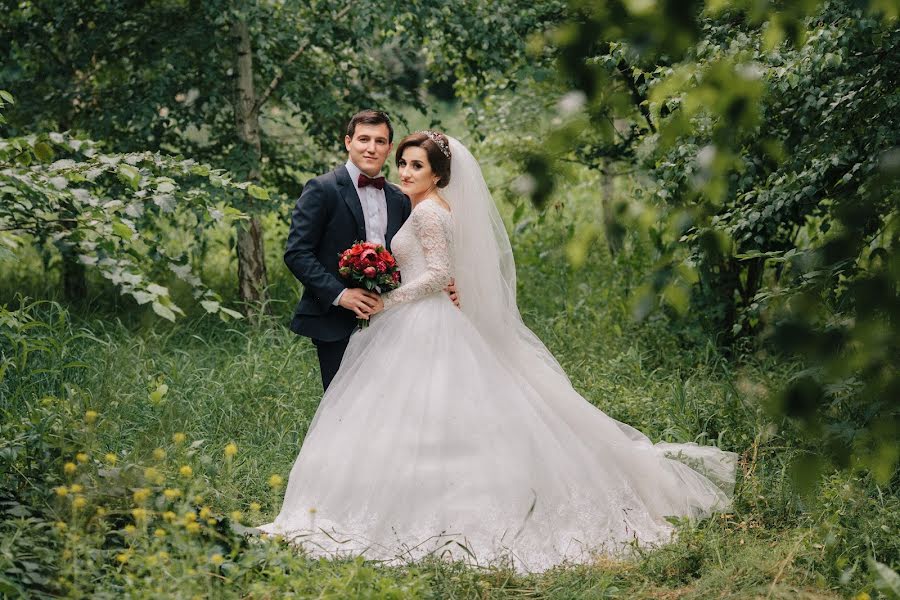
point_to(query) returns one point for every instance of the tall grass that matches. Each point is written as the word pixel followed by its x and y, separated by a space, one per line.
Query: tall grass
pixel 108 380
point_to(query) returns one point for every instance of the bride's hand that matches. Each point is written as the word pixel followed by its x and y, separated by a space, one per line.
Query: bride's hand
pixel 451 291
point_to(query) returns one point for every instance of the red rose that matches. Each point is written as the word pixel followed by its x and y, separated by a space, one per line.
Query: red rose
pixel 356 250
pixel 369 272
pixel 369 256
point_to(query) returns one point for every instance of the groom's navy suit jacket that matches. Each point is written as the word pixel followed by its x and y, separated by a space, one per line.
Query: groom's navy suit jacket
pixel 328 219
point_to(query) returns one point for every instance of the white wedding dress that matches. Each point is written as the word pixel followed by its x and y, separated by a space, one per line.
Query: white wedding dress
pixel 441 436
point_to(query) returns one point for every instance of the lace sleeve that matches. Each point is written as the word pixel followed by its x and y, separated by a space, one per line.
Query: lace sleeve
pixel 433 232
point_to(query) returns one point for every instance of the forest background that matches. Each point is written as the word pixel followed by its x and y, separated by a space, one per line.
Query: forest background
pixel 702 200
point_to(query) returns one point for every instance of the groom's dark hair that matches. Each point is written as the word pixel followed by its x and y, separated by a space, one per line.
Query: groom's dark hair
pixel 370 117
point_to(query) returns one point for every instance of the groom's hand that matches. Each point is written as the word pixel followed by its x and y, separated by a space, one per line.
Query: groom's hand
pixel 360 301
pixel 451 291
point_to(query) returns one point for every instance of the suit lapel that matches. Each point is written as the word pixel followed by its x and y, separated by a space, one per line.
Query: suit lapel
pixel 394 201
pixel 351 199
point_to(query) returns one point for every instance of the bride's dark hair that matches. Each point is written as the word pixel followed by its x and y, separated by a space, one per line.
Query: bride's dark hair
pixel 436 147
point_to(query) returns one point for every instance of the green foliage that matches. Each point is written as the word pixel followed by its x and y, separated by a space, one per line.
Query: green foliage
pixel 766 141
pixel 160 75
pixel 107 211
pixel 263 90
pixel 229 385
pixel 92 385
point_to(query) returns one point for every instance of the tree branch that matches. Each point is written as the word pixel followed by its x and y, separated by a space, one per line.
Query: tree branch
pixel 276 81
pixel 625 72
pixel 16 226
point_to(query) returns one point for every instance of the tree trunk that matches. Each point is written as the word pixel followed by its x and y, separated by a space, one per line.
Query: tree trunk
pixel 613 230
pixel 73 276
pixel 252 278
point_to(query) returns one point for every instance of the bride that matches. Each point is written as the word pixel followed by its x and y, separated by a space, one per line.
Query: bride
pixel 455 433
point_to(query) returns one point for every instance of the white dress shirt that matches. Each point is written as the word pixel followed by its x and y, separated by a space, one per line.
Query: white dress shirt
pixel 374 207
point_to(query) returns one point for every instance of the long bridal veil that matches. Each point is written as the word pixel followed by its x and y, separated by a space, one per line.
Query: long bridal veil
pixel 485 274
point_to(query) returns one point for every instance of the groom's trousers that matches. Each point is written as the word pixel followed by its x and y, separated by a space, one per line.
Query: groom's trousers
pixel 330 355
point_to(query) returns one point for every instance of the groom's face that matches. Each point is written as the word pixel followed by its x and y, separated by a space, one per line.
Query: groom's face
pixel 369 147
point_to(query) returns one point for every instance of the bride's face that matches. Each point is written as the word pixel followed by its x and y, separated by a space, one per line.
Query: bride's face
pixel 417 179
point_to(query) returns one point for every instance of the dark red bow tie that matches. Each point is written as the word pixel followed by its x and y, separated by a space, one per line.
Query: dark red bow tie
pixel 364 180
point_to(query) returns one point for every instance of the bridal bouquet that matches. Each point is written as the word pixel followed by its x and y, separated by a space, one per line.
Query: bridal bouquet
pixel 370 266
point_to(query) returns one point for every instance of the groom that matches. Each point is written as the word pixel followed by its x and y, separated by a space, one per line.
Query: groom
pixel 351 203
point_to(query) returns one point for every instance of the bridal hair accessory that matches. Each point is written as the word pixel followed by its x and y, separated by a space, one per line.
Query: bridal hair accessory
pixel 436 137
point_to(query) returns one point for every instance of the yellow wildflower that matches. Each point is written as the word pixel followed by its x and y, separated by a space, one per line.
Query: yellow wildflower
pixel 122 557
pixel 216 559
pixel 236 516
pixel 210 521
pixel 61 526
pixel 190 517
pixel 198 499
pixel 192 527
pixel 862 596
pixel 111 458
pixel 153 475
pixel 169 516
pixel 79 502
pixel 69 468
pixel 81 457
pixel 275 481
pixel 151 560
pixel 159 454
pixel 178 438
pixel 90 416
pixel 139 514
pixel 101 511
pixel 76 488
pixel 160 533
pixel 61 490
pixel 185 471
pixel 140 495
pixel 255 506
pixel 205 513
pixel 130 529
pixel 163 555
pixel 171 493
pixel 230 450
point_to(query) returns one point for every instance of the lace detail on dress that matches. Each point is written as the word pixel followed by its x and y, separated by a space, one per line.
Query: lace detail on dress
pixel 422 251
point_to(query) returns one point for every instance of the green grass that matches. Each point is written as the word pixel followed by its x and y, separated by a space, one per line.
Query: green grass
pixel 258 387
